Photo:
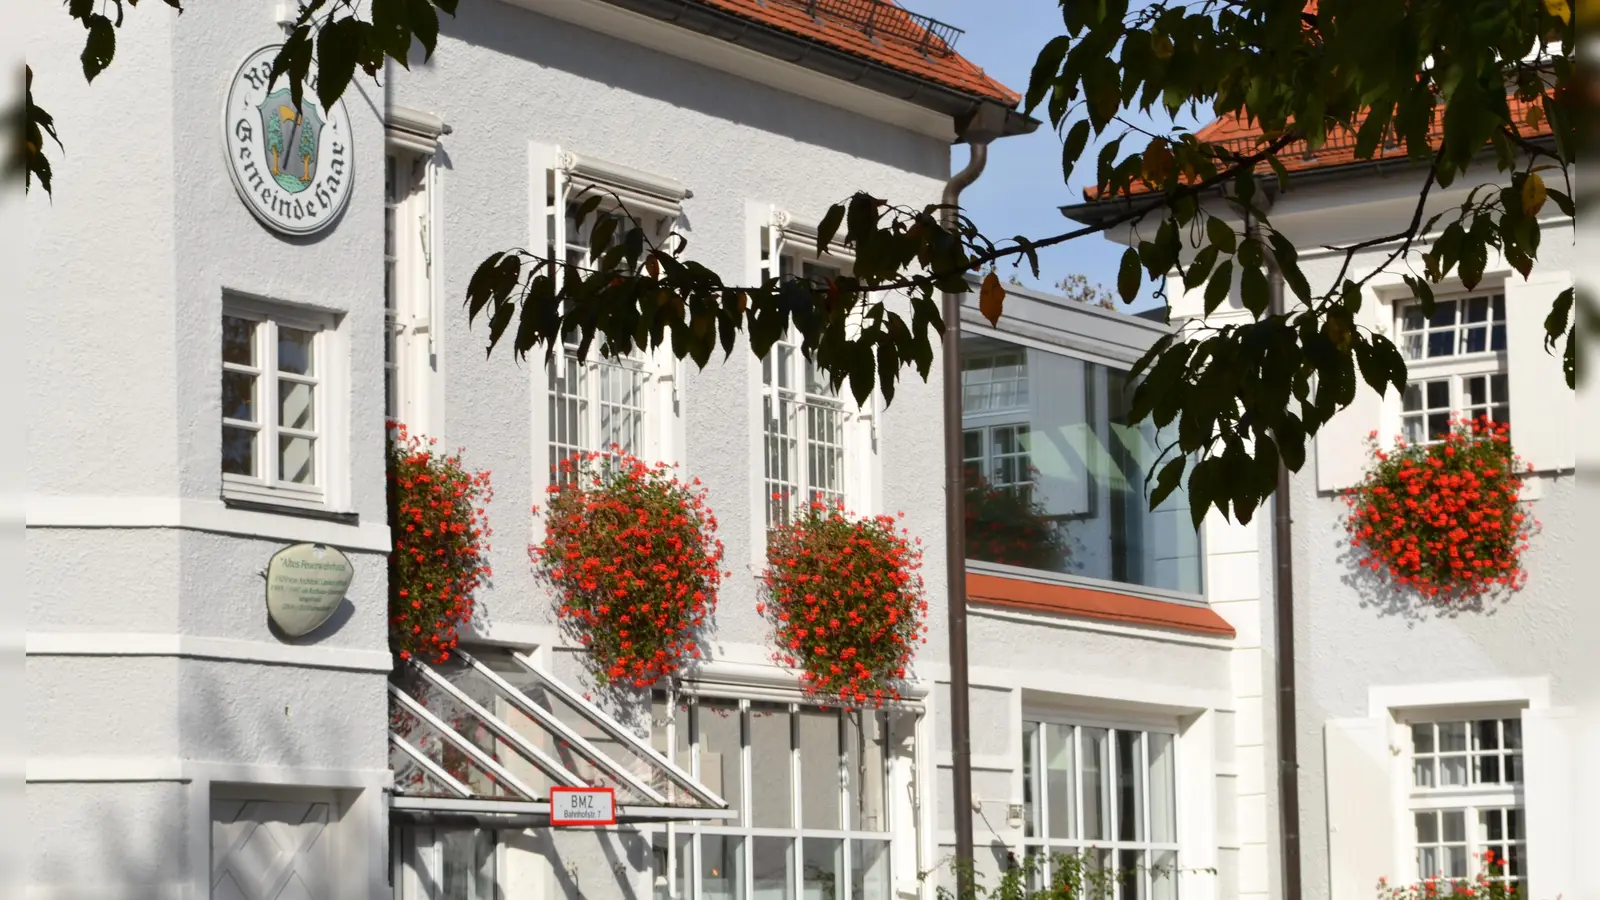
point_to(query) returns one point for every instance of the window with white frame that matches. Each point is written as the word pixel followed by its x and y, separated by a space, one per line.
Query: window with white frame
pixel 1456 364
pixel 407 278
pixel 602 402
pixel 806 424
pixel 275 405
pixel 1465 799
pixel 444 864
pixel 810 789
pixel 1109 793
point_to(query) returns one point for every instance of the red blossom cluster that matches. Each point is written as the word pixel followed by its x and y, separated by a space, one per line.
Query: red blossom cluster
pixel 441 545
pixel 1444 519
pixel 845 599
pixel 1008 525
pixel 633 555
pixel 1486 886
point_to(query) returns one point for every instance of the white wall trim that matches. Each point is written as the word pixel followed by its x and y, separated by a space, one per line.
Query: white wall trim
pixel 172 890
pixel 184 646
pixel 1073 622
pixel 201 515
pixel 1179 699
pixel 1382 700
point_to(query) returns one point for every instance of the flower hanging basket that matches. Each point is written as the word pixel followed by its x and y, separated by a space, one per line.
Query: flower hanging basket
pixel 633 557
pixel 441 546
pixel 845 600
pixel 1443 520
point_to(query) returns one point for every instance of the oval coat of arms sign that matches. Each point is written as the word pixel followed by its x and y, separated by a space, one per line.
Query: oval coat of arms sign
pixel 305 584
pixel 292 166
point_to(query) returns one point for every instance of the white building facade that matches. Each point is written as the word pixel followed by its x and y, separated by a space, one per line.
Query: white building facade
pixel 180 745
pixel 1426 736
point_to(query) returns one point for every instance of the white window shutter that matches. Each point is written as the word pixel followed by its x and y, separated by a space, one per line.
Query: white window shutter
pixel 1341 443
pixel 1543 408
pixel 1362 837
pixel 1548 741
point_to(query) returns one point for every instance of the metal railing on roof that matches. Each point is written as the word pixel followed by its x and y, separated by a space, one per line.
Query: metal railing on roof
pixel 883 19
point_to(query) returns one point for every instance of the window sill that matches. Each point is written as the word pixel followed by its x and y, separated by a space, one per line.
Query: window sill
pixel 1061 599
pixel 287 507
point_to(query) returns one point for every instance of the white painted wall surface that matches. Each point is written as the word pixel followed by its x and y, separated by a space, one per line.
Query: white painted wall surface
pixel 1350 636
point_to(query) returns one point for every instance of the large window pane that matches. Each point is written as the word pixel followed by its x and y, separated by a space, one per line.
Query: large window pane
pixel 866 747
pixel 721 872
pixel 820 791
pixel 719 751
pixel 1094 742
pixel 771 865
pixel 1130 787
pixel 1163 788
pixel 1060 782
pixel 1056 471
pixel 1030 774
pixel 819 878
pixel 771 766
pixel 869 870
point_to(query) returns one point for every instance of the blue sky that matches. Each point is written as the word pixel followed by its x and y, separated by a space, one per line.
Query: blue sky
pixel 1021 191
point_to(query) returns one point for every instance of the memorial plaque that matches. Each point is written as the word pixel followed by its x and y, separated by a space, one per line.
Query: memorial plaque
pixel 305 584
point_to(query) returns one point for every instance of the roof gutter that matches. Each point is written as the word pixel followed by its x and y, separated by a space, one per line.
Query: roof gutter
pixel 818 57
pixel 977 131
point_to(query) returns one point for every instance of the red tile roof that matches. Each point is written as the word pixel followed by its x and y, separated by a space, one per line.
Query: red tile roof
pixel 1087 603
pixel 894 43
pixel 1338 150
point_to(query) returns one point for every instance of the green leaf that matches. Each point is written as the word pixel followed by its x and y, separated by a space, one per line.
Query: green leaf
pixel 449 6
pixel 829 227
pixel 1555 324
pixel 1372 369
pixel 1205 483
pixel 338 47
pixel 861 374
pixel 1045 69
pixel 1072 147
pixel 1289 266
pixel 1253 291
pixel 1128 276
pixel 425 25
pixel 1200 268
pixel 99 46
pixel 1222 235
pixel 1167 482
pixel 392 19
pixel 1219 286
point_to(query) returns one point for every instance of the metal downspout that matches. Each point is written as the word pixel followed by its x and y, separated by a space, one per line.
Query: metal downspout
pixel 956 540
pixel 1283 621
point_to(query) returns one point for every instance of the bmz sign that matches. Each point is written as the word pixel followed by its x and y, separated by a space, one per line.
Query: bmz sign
pixel 583 806
pixel 293 167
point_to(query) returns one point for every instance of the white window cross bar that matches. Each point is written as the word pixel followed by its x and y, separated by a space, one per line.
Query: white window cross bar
pixel 432 768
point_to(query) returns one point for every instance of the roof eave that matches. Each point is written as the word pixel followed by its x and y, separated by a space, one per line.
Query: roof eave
pixel 771 41
pixel 1096 212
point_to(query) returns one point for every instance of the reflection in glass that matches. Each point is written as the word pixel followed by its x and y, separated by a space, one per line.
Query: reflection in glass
pixel 1056 472
pixel 1163 788
pixel 819 878
pixel 238 341
pixel 1130 787
pixel 771 860
pixel 239 396
pixel 1060 782
pixel 819 769
pixel 295 406
pixel 721 877
pixel 771 761
pixel 295 460
pixel 719 750
pixel 869 870
pixel 295 351
pixel 1096 795
pixel 238 451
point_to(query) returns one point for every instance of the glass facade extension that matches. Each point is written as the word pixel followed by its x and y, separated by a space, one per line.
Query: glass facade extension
pixel 1056 474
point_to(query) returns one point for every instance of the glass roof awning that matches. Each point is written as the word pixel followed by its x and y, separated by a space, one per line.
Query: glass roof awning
pixel 484 738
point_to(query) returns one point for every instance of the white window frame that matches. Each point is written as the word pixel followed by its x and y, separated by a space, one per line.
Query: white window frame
pixel 1149 848
pixel 417 863
pixel 330 415
pixel 564 180
pixel 901 831
pixel 1454 369
pixel 410 302
pixel 780 237
pixel 1469 799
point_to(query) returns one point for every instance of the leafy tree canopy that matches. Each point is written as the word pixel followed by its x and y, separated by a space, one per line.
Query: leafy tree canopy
pixel 1484 90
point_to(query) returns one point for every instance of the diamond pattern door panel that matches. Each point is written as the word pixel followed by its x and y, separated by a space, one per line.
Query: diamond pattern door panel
pixel 270 850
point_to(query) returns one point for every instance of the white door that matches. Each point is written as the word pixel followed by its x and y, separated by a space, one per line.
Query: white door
pixel 271 849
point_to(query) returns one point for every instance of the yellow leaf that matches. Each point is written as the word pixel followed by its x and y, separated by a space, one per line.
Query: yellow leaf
pixel 1158 161
pixel 992 298
pixel 1162 45
pixel 1534 117
pixel 1532 195
pixel 1559 9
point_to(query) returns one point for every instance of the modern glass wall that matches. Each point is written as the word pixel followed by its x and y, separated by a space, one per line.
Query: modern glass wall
pixel 1056 474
